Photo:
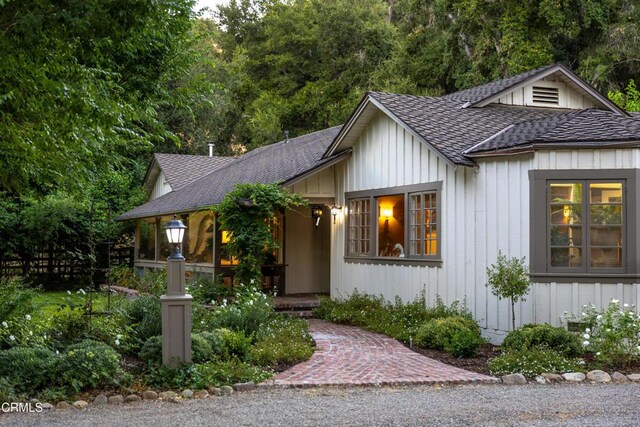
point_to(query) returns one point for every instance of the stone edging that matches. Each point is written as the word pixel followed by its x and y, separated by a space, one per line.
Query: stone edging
pixel 596 376
pixel 151 395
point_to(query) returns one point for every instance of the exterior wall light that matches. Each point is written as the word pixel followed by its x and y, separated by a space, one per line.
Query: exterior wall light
pixel 335 210
pixel 386 213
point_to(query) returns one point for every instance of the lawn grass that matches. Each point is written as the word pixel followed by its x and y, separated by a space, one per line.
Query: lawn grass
pixel 48 303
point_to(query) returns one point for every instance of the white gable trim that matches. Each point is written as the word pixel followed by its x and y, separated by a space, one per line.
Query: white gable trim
pixel 357 115
pixel 569 75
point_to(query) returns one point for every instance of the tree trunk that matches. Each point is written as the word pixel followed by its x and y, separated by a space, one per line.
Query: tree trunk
pixel 513 316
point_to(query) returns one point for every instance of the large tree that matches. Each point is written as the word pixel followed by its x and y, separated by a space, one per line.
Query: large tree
pixel 82 81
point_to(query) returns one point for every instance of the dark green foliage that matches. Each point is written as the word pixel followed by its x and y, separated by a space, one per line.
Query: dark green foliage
pixel 283 340
pixel 145 316
pixel 225 373
pixel 28 370
pixel 166 377
pixel 88 364
pixel 68 326
pixel 532 336
pixel 532 362
pixel 465 343
pixel 236 343
pixel 398 320
pixel 441 334
pixel 206 291
pixel 201 351
pixel 7 392
pixel 252 239
pixel 16 299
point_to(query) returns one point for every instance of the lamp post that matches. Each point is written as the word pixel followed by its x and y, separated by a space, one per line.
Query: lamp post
pixel 176 305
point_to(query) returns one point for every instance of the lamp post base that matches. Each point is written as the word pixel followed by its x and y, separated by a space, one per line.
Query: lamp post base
pixel 176 329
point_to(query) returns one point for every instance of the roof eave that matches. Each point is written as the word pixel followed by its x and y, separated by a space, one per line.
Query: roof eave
pixel 541 145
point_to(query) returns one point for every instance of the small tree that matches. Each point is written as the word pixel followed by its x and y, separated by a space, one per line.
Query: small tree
pixel 246 213
pixel 509 278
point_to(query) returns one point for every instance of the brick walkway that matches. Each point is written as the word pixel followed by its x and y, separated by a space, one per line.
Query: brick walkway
pixel 347 355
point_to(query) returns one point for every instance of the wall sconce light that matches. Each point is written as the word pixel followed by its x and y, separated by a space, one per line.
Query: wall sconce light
pixel 335 210
pixel 566 211
pixel 386 213
pixel 316 213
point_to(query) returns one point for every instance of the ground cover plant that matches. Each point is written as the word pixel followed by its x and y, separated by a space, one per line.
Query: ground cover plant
pixel 411 323
pixel 74 343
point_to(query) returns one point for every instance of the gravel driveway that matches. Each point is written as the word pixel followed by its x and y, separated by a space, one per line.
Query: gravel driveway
pixel 490 405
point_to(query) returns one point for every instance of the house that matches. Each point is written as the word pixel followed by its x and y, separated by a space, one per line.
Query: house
pixel 538 165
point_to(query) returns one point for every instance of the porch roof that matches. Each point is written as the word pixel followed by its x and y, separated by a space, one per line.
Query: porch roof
pixel 279 162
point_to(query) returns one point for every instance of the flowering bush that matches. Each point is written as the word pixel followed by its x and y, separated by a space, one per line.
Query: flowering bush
pixel 16 299
pixel 248 311
pixel 206 291
pixel 24 331
pixel 613 334
pixel 531 362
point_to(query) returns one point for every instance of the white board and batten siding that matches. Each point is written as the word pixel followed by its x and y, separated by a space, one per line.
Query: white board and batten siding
pixel 161 187
pixel 387 155
pixel 483 210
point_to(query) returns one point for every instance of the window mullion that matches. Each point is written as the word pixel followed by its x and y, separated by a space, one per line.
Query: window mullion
pixel 586 228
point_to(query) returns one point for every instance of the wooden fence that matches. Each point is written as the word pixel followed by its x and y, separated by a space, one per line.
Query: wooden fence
pixel 63 267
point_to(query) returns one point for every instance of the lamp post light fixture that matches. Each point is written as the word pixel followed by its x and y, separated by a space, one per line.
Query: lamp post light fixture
pixel 335 210
pixel 176 305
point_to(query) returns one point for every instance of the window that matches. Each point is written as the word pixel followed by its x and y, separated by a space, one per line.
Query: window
pixel 423 224
pixel 359 226
pixel 584 218
pixel 147 239
pixel 401 227
pixel 198 245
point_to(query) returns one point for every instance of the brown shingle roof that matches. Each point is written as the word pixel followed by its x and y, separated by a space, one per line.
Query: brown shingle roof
pixel 182 169
pixel 278 162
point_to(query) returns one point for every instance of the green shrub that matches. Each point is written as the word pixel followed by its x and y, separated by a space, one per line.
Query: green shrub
pixel 227 372
pixel 7 392
pixel 250 309
pixel 145 317
pixel 16 299
pixel 543 336
pixel 398 320
pixel 151 351
pixel 282 340
pixel 166 377
pixel 200 349
pixel 439 334
pixel 28 369
pixel 68 326
pixel 465 343
pixel 613 336
pixel 88 364
pixel 531 362
pixel 206 291
pixel 236 343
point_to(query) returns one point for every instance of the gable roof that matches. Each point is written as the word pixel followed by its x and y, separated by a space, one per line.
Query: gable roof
pixel 181 169
pixel 482 95
pixel 280 162
pixel 468 121
pixel 442 124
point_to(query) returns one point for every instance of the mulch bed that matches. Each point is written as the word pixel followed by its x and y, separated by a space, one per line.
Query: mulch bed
pixel 475 364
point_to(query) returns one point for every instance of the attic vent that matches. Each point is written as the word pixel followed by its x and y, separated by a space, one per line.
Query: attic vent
pixel 545 95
